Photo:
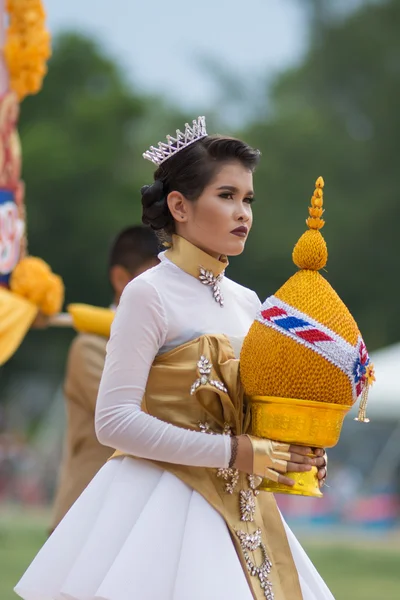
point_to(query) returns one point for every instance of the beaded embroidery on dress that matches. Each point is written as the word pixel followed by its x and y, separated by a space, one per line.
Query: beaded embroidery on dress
pixel 208 278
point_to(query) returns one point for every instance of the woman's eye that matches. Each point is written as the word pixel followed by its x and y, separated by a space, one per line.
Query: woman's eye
pixel 229 196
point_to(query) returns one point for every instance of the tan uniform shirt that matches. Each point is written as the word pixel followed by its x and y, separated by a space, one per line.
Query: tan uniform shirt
pixel 83 454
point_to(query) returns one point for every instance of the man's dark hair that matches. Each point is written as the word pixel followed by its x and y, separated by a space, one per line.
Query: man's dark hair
pixel 133 247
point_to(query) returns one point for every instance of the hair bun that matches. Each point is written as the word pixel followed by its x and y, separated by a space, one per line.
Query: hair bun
pixel 152 193
pixel 155 208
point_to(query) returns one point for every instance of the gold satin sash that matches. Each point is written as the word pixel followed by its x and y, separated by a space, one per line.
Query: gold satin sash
pixel 217 405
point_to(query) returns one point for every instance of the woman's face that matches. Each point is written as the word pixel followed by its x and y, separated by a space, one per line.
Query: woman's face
pixel 220 220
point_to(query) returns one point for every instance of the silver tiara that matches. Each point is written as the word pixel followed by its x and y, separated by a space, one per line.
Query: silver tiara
pixel 175 144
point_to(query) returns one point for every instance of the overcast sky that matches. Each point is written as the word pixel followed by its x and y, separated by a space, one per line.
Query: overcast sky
pixel 159 41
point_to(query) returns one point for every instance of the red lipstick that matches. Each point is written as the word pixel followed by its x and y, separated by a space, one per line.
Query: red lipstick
pixel 240 231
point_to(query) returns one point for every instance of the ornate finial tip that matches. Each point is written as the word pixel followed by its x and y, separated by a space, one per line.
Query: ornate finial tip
pixel 315 211
pixel 310 252
pixel 315 223
pixel 165 150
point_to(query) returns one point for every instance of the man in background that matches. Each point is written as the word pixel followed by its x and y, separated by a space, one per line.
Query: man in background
pixel 133 251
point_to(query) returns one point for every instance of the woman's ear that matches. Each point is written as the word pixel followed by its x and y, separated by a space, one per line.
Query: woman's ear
pixel 177 205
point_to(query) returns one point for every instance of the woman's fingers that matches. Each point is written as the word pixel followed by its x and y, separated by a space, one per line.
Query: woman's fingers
pixel 306 450
pixel 318 451
pixel 300 463
pixel 307 460
pixel 285 480
pixel 301 450
pixel 298 454
pixel 302 459
pixel 275 476
pixel 296 468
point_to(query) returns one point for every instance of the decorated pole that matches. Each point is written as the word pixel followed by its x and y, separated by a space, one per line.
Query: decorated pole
pixel 29 290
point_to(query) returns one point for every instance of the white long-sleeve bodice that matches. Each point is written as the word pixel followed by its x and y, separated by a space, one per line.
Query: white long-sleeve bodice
pixel 160 310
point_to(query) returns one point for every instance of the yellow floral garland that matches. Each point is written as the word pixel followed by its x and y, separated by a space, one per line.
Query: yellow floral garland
pixel 27 47
pixel 33 279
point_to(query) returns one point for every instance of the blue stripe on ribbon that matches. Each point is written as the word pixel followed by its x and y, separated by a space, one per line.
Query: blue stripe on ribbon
pixel 291 323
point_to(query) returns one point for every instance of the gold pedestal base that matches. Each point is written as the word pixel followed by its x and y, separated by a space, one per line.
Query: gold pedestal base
pixel 296 421
pixel 304 422
pixel 306 484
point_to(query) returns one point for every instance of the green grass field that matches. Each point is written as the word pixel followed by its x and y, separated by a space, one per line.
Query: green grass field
pixel 367 569
pixel 358 570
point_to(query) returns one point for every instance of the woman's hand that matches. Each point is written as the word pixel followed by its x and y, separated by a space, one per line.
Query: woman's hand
pixel 272 459
pixel 322 466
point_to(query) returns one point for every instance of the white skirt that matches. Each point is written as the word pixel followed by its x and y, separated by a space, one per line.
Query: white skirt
pixel 139 533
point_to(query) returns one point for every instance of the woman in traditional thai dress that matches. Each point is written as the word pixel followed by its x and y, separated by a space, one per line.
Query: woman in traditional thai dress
pixel 175 514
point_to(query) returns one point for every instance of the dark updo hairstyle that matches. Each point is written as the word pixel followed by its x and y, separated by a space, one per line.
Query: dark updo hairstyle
pixel 189 171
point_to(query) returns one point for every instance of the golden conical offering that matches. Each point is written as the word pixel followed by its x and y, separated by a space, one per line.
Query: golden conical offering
pixel 303 362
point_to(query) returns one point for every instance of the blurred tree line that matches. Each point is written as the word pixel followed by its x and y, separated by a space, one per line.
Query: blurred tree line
pixel 335 114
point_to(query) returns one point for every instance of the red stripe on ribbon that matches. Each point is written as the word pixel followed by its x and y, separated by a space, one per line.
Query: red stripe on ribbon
pixel 313 335
pixel 270 313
